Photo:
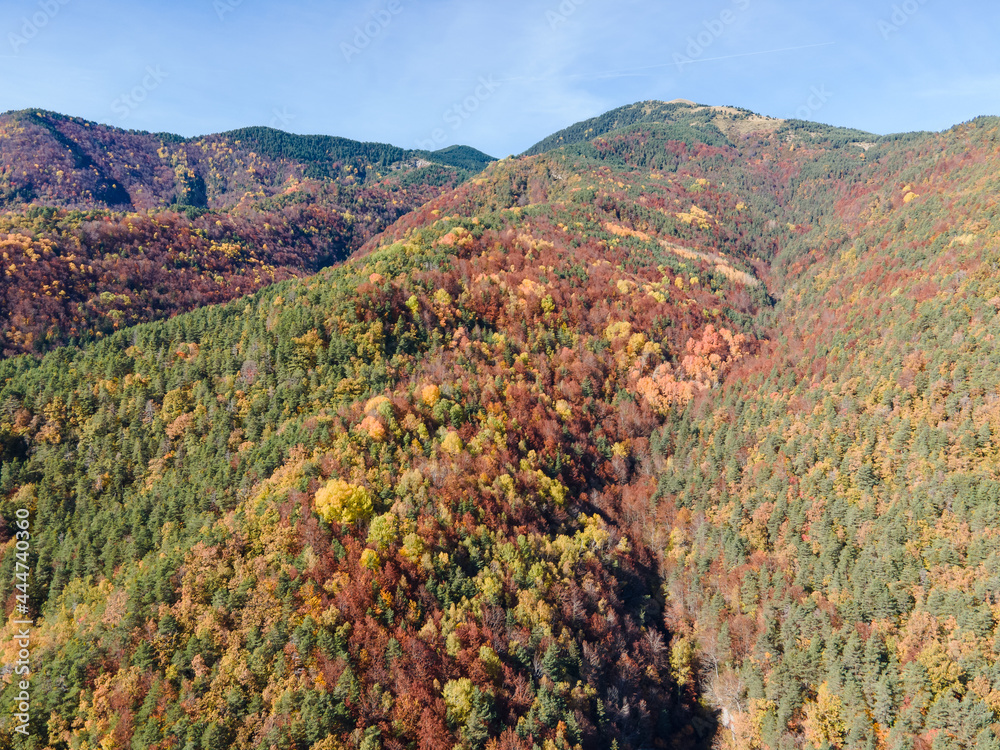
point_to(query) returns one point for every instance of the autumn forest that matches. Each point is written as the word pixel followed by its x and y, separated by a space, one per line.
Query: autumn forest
pixel 680 430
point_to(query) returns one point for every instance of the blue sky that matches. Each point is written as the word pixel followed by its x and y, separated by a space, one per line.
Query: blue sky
pixel 497 76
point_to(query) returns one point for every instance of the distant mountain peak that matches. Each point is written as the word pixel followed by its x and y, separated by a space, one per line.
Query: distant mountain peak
pixel 692 122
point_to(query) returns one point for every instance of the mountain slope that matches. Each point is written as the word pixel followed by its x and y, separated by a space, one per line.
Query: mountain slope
pixel 394 489
pixel 842 496
pixel 51 159
pixel 107 228
pixel 641 441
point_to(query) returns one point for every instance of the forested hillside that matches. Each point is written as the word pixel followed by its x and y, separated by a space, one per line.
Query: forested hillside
pixel 829 537
pixel 50 159
pixel 650 440
pixel 104 228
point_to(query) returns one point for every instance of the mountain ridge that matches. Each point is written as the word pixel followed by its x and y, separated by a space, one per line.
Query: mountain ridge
pixel 133 226
pixel 120 185
pixel 233 133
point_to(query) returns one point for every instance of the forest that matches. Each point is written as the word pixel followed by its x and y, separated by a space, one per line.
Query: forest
pixel 647 439
pixel 118 228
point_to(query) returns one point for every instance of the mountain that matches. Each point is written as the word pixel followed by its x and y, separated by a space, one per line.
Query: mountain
pixel 691 123
pixel 106 228
pixel 676 436
pixel 685 120
pixel 461 157
pixel 53 160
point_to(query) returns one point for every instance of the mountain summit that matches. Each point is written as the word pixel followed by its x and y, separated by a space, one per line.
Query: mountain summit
pixel 682 119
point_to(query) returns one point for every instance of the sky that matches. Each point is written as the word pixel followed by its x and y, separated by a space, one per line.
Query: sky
pixel 498 76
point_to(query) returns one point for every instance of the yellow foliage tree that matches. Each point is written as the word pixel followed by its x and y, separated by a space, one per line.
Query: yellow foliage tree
pixel 458 696
pixel 824 721
pixel 384 531
pixel 452 443
pixel 943 672
pixel 430 394
pixel 370 559
pixel 342 502
pixel 682 660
